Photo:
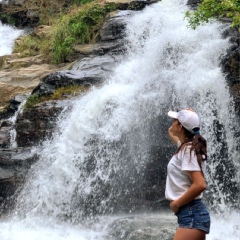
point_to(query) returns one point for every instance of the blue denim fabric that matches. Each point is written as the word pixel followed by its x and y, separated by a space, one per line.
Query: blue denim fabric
pixel 194 215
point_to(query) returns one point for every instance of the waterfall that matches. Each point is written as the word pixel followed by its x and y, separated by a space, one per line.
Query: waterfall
pixel 97 161
pixel 8 35
pixel 13 119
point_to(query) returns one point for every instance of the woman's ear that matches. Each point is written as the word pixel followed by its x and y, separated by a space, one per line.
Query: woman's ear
pixel 180 127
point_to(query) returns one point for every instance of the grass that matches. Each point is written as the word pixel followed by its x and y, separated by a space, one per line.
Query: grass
pixel 32 100
pixel 79 25
pixel 59 94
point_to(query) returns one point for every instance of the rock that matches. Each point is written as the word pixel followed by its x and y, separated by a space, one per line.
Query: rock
pixel 16 2
pixel 22 16
pixel 14 165
pixel 145 234
pixel 37 123
pixel 190 2
pixel 89 71
pixel 230 66
pixel 15 102
pixel 13 106
pixel 42 31
pixel 7 92
pixel 143 227
pixel 235 91
pixel 5 128
pixel 194 3
pixel 22 80
pixel 101 48
pixel 14 61
pixel 114 25
pixel 67 78
pixel 131 4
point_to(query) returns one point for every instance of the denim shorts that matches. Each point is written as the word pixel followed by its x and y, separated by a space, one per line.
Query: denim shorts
pixel 194 215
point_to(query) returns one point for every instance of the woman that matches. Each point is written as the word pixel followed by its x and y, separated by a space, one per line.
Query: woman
pixel 185 176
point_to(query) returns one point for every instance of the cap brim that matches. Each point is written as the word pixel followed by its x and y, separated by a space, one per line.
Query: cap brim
pixel 173 114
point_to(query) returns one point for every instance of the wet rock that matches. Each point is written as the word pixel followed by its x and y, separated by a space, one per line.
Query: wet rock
pixel 14 165
pixel 193 4
pixel 15 102
pixel 68 78
pixel 114 25
pixel 102 48
pixel 132 5
pixel 190 2
pixel 5 128
pixel 89 71
pixel 231 61
pixel 16 2
pixel 37 123
pixel 230 64
pixel 142 227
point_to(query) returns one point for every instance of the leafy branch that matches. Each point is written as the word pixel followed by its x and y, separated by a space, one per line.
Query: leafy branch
pixel 208 10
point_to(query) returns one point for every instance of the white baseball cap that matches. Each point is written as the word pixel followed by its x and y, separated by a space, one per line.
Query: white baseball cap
pixel 188 118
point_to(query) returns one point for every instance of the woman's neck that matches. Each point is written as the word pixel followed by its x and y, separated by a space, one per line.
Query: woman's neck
pixel 182 138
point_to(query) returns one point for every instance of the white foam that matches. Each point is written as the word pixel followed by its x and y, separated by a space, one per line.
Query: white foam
pixel 225 226
pixel 8 35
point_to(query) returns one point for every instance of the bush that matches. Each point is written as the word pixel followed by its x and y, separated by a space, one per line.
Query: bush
pixel 77 28
pixel 215 9
pixel 80 25
pixel 32 100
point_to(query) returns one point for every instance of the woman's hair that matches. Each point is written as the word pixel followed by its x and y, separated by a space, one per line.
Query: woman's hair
pixel 198 144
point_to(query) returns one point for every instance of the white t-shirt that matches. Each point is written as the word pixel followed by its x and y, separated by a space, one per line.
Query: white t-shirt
pixel 178 178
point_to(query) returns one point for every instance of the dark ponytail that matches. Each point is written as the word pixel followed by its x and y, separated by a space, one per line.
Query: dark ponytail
pixel 198 145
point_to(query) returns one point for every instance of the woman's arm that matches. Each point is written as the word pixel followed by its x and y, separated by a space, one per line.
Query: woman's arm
pixel 198 186
pixel 174 138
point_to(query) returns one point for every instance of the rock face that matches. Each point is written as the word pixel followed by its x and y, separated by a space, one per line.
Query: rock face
pixel 37 123
pixel 231 66
pixel 14 165
pixel 24 76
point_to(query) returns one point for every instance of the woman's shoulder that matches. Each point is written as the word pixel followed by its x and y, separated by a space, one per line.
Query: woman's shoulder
pixel 186 146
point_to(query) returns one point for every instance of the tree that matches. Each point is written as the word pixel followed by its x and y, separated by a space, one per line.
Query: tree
pixel 209 10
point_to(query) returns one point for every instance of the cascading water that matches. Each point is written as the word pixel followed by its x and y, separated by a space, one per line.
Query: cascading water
pixel 8 35
pixel 97 161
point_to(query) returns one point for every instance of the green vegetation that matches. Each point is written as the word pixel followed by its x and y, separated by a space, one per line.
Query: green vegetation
pixel 28 47
pixel 59 93
pixel 32 100
pixel 69 91
pixel 8 18
pixel 78 25
pixel 82 2
pixel 215 9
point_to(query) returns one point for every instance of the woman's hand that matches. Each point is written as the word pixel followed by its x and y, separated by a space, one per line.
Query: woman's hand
pixel 197 187
pixel 174 206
